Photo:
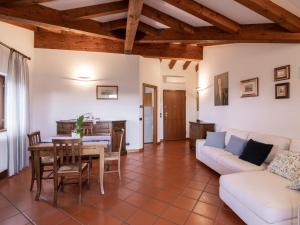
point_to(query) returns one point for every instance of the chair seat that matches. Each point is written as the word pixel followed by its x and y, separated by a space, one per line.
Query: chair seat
pixel 111 155
pixel 71 168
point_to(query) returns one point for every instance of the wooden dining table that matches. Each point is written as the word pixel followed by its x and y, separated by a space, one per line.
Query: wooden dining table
pixel 46 149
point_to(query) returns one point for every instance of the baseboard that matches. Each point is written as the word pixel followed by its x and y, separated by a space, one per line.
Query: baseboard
pixel 134 150
pixel 4 174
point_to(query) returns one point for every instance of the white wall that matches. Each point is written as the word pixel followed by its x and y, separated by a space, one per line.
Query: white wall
pixel 190 86
pixel 55 96
pixel 245 61
pixel 152 72
pixel 22 40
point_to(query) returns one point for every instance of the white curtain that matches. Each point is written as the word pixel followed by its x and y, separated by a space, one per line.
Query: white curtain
pixel 17 112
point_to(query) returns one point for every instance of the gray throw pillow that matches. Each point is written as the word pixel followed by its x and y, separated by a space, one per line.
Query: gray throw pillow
pixel 236 145
pixel 215 139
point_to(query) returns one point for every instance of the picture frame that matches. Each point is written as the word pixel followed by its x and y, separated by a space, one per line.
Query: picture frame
pixel 221 89
pixel 107 92
pixel 282 73
pixel 282 90
pixel 250 88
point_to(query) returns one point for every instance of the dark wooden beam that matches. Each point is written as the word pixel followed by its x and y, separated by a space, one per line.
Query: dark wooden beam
pixel 121 23
pixel 74 41
pixel 186 65
pixel 274 12
pixel 169 51
pixel 258 33
pixel 42 16
pixel 206 14
pixel 133 19
pixel 172 63
pixel 115 24
pixel 148 29
pixel 92 11
pixel 167 19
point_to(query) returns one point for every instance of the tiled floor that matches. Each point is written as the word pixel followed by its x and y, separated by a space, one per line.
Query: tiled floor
pixel 163 185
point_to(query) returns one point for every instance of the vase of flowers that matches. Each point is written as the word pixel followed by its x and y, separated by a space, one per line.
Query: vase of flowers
pixel 78 131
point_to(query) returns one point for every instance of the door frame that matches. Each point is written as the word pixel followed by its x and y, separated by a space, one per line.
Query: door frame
pixel 155 112
pixel 167 90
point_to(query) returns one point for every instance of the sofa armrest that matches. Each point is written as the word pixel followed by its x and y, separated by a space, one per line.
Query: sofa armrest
pixel 199 144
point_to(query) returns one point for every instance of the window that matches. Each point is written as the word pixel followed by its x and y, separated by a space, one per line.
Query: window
pixel 2 101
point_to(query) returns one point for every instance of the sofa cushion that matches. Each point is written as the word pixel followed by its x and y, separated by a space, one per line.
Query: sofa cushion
pixel 256 152
pixel 295 145
pixel 263 193
pixel 238 133
pixel 212 152
pixel 236 165
pixel 286 164
pixel 236 145
pixel 295 184
pixel 215 139
pixel 279 143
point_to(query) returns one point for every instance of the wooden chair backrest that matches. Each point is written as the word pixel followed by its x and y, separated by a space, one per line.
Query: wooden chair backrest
pixel 120 136
pixel 67 149
pixel 87 128
pixel 34 138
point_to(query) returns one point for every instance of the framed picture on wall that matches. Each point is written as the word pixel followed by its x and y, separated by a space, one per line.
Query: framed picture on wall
pixel 282 73
pixel 282 90
pixel 249 88
pixel 107 92
pixel 221 87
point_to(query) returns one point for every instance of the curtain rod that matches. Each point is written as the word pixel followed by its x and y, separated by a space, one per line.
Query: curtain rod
pixel 6 46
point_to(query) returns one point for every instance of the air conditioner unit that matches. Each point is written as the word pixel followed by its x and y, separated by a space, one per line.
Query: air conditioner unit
pixel 173 79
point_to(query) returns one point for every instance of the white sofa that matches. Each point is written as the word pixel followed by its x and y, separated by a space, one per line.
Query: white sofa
pixel 255 195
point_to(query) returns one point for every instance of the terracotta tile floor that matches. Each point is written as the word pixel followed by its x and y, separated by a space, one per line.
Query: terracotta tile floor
pixel 163 185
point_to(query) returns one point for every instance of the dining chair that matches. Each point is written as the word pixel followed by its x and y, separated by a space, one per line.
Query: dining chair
pixel 46 162
pixel 87 128
pixel 115 155
pixel 70 164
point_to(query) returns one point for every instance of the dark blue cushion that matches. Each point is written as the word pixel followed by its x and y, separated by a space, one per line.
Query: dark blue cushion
pixel 236 145
pixel 215 139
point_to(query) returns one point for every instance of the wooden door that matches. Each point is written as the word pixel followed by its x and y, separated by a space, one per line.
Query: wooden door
pixel 174 115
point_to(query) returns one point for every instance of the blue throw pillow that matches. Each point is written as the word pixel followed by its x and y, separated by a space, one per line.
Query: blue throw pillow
pixel 215 139
pixel 236 145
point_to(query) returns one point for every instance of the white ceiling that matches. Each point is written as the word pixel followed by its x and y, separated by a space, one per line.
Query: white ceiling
pixel 228 8
pixel 70 4
pixel 116 16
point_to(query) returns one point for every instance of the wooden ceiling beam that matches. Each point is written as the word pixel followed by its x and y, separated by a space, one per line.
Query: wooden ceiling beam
pixel 147 29
pixel 274 12
pixel 206 14
pixel 93 11
pixel 172 63
pixel 115 24
pixel 121 23
pixel 39 15
pixel 133 19
pixel 167 19
pixel 74 41
pixel 186 65
pixel 258 33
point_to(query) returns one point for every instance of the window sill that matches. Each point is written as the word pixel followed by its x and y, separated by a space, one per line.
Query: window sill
pixel 2 130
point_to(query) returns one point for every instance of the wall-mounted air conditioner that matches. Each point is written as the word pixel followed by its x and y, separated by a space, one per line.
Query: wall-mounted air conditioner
pixel 173 79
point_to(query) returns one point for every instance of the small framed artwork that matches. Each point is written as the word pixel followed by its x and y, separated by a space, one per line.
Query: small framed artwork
pixel 221 89
pixel 282 73
pixel 282 90
pixel 249 88
pixel 107 92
